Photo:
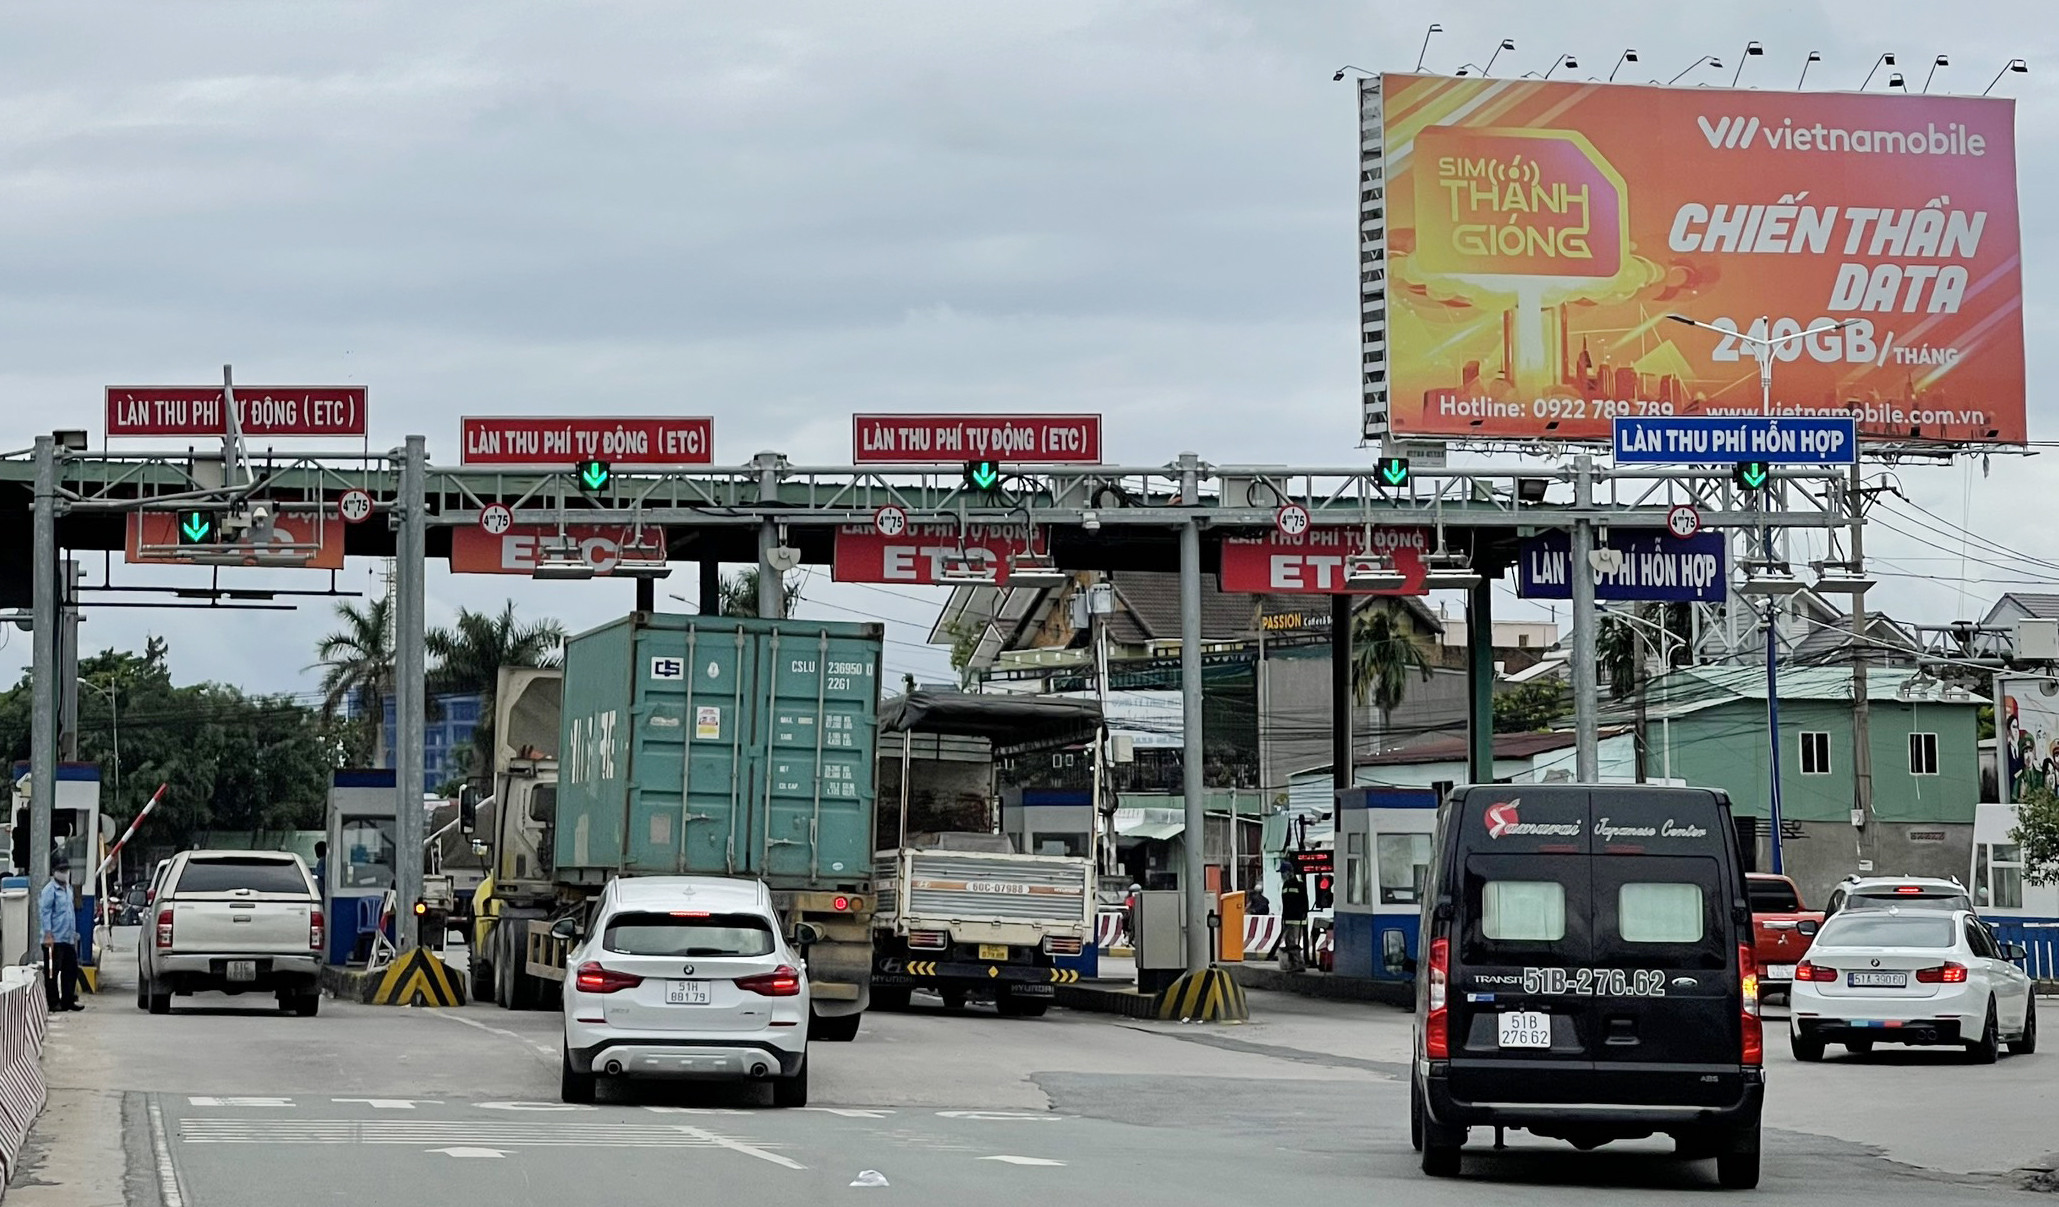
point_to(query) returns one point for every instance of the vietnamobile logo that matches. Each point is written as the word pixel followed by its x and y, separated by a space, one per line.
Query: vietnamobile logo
pixel 1737 133
pixel 1503 822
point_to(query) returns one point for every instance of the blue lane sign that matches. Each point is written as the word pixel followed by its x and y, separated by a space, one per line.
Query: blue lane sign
pixel 1712 440
pixel 1650 564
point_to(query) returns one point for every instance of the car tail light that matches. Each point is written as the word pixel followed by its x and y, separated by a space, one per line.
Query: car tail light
pixel 1063 947
pixel 314 930
pixel 592 978
pixel 1754 1049
pixel 164 927
pixel 1806 971
pixel 1437 1024
pixel 783 981
pixel 1947 973
pixel 929 940
pixel 1909 889
pixel 840 904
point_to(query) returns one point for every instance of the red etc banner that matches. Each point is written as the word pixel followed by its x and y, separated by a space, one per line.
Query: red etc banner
pixel 262 411
pixel 1313 563
pixel 1022 439
pixel 917 555
pixel 475 551
pixel 626 441
pixel 320 540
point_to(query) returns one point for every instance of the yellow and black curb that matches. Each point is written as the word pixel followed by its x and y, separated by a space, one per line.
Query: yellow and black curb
pixel 1207 996
pixel 418 978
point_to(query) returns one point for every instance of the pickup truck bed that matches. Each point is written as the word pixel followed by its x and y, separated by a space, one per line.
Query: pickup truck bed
pixel 234 922
pixel 1782 931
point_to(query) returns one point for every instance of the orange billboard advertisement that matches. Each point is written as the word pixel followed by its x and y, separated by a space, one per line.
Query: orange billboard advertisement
pixel 1525 246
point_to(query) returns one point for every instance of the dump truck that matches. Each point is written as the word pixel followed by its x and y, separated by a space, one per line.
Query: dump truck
pixel 687 745
pixel 964 913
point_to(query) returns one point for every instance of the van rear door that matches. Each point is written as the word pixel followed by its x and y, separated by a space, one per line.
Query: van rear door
pixel 1524 901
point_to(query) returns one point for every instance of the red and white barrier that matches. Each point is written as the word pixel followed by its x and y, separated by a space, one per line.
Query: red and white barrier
pixel 24 1017
pixel 1111 929
pixel 1261 935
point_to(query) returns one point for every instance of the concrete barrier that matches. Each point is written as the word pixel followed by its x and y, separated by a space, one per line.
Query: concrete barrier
pixel 24 1018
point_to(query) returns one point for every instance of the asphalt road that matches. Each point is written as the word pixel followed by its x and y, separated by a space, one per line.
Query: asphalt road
pixel 227 1103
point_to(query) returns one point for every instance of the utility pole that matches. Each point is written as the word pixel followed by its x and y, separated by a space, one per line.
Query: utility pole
pixel 1586 697
pixel 409 706
pixel 43 712
pixel 1192 786
pixel 771 580
pixel 1862 709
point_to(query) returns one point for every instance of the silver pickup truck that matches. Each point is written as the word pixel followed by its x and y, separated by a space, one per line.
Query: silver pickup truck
pixel 236 922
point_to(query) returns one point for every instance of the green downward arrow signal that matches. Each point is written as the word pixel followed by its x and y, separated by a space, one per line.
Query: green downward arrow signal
pixel 1394 471
pixel 195 527
pixel 593 475
pixel 1752 474
pixel 983 474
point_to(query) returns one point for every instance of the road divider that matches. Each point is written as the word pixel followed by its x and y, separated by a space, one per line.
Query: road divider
pixel 24 1018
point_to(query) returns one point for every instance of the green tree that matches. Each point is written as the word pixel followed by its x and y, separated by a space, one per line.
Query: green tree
pixel 357 674
pixel 1383 653
pixel 740 593
pixel 471 652
pixel 2037 832
pixel 1532 708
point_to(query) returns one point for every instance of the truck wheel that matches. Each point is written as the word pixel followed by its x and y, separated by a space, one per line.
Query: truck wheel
pixel 836 1028
pixel 307 1005
pixel 481 977
pixel 160 999
pixel 1738 1168
pixel 500 979
pixel 573 1086
pixel 890 999
pixel 792 1092
pixel 1010 1006
pixel 954 999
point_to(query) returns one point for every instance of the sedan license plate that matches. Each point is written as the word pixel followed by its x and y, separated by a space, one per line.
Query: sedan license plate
pixel 1877 980
pixel 242 970
pixel 1779 972
pixel 1525 1029
pixel 993 951
pixel 686 993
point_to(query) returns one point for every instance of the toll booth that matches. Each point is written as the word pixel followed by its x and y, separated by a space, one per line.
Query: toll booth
pixel 1384 842
pixel 360 866
pixel 75 834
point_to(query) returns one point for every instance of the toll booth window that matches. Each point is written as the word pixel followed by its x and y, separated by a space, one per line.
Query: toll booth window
pixel 1357 878
pixel 688 935
pixel 1523 911
pixel 367 854
pixel 1404 867
pixel 1666 912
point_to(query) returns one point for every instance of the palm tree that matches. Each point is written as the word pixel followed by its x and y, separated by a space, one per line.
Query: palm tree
pixel 1383 652
pixel 740 593
pixel 470 653
pixel 357 669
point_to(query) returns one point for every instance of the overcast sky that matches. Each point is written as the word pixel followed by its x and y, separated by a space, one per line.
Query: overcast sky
pixel 781 213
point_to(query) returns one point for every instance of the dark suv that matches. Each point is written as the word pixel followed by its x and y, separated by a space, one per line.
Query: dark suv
pixel 1588 974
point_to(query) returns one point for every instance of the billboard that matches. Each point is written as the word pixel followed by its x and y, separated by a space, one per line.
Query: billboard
pixel 261 411
pixel 558 441
pixel 1019 439
pixel 1523 244
pixel 2030 735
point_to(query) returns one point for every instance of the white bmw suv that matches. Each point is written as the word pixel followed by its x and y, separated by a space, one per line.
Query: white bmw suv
pixel 1911 976
pixel 685 977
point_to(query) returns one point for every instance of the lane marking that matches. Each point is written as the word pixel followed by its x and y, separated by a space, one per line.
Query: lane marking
pixel 869 1177
pixel 468 1152
pixel 849 1112
pixel 738 1146
pixel 694 1110
pixel 167 1174
pixel 1000 1115
pixel 1023 1160
pixel 204 1101
pixel 391 1104
pixel 541 1049
pixel 533 1106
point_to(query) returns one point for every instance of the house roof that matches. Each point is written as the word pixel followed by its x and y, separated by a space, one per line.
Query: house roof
pixel 1691 689
pixel 2042 607
pixel 1452 748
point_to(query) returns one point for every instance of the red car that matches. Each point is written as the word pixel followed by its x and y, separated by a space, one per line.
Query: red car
pixel 1781 929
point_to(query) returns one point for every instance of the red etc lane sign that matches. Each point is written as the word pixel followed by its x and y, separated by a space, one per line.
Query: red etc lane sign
pixel 917 555
pixel 475 551
pixel 560 440
pixel 262 411
pixel 153 539
pixel 1022 439
pixel 1313 563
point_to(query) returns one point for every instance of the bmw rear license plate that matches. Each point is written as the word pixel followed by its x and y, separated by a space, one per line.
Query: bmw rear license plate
pixel 686 993
pixel 1877 980
pixel 242 970
pixel 1525 1029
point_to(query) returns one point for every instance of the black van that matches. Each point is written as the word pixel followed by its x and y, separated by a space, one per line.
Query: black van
pixel 1588 974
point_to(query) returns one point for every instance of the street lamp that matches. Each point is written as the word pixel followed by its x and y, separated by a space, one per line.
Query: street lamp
pixel 1940 61
pixel 1776 585
pixel 1434 29
pixel 1506 44
pixel 1815 56
pixel 1886 60
pixel 114 723
pixel 1668 640
pixel 1752 50
pixel 1628 56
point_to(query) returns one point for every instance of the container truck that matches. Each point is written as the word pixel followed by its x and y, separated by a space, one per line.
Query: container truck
pixel 687 745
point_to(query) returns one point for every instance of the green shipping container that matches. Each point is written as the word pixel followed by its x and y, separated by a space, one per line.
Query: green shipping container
pixel 715 746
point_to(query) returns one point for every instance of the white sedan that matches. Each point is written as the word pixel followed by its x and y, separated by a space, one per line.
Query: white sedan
pixel 684 977
pixel 1912 976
